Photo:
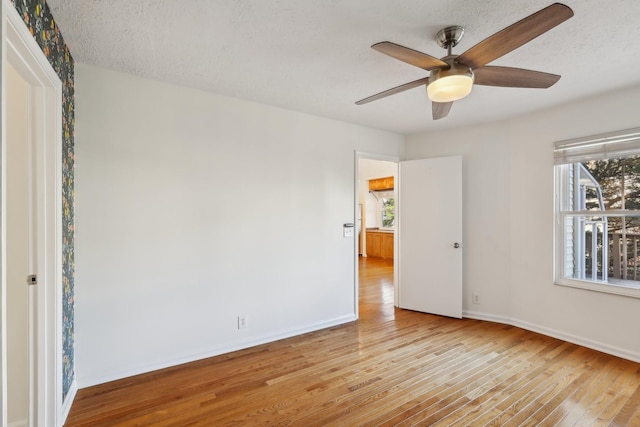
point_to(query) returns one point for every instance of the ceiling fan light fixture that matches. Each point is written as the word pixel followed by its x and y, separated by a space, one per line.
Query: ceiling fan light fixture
pixel 450 84
pixel 452 77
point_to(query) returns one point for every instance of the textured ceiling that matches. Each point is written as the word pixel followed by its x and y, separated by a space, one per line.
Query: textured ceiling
pixel 314 56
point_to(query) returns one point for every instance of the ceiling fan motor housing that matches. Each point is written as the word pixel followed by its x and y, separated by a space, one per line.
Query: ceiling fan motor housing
pixel 441 92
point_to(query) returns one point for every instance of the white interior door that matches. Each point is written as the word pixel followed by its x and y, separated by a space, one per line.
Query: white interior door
pixel 430 236
pixel 18 322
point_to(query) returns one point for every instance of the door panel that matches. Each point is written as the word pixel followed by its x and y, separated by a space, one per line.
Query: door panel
pixel 18 248
pixel 430 224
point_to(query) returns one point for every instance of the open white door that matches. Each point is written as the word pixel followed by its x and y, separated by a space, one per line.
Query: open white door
pixel 430 236
pixel 40 128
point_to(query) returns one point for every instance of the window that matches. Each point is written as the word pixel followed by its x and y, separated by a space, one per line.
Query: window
pixel 598 212
pixel 388 212
pixel 382 213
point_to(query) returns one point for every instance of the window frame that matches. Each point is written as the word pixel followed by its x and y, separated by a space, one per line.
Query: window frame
pixel 598 147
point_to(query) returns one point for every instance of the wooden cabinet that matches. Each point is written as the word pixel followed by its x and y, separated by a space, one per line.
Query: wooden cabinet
pixel 380 184
pixel 373 244
pixel 380 244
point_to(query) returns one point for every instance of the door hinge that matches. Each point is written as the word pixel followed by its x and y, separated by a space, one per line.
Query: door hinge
pixel 32 279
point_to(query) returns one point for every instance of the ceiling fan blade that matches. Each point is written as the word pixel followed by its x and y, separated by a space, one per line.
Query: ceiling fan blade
pixel 394 90
pixel 410 56
pixel 513 77
pixel 515 35
pixel 440 110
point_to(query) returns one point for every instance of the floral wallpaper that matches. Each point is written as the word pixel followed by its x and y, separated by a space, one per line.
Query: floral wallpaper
pixel 42 26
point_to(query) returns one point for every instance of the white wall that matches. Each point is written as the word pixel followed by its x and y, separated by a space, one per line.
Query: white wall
pixel 508 222
pixel 17 249
pixel 193 208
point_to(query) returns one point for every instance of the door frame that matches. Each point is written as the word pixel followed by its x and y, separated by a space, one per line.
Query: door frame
pixel 356 287
pixel 45 152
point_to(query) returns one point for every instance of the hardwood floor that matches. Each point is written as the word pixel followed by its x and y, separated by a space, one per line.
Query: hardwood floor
pixel 391 368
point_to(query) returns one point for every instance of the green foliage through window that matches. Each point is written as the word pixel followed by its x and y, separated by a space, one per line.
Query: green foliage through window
pixel 388 212
pixel 619 184
pixel 619 181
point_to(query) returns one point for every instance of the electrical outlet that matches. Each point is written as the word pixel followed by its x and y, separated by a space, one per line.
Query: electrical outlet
pixel 475 298
pixel 242 321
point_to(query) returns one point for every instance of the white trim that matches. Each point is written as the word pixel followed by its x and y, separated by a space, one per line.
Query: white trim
pixel 488 317
pixel 21 50
pixel 68 401
pixel 574 339
pixel 608 288
pixel 92 380
pixel 609 212
pixel 3 222
pixel 356 237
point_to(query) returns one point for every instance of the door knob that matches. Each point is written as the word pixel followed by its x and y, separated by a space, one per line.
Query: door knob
pixel 456 245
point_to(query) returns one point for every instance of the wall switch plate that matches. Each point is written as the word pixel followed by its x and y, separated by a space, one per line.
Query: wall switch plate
pixel 347 231
pixel 242 321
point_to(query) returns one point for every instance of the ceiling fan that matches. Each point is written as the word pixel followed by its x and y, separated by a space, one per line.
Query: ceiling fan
pixel 452 77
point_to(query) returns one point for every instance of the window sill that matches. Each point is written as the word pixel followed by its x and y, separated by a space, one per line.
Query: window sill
pixel 623 288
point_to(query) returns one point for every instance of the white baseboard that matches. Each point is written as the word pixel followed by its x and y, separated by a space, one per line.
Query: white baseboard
pixel 585 342
pixel 89 381
pixel 486 316
pixel 68 401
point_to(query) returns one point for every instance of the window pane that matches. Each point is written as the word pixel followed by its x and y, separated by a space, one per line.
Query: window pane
pixel 586 256
pixel 624 247
pixel 603 248
pixel 618 180
pixel 388 212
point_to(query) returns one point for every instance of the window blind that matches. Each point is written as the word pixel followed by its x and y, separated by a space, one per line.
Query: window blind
pixel 598 147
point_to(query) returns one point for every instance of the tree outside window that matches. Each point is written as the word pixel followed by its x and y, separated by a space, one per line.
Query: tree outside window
pixel 619 183
pixel 388 212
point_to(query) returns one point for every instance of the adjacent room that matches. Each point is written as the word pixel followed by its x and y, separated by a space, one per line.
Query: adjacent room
pixel 296 212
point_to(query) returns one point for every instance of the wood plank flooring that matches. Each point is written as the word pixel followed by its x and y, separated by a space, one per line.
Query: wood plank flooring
pixel 391 368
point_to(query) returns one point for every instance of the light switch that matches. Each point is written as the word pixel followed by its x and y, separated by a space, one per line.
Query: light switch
pixel 347 231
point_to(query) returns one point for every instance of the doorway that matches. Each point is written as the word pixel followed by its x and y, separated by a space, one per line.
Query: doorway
pixel 31 189
pixel 376 239
pixel 427 261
